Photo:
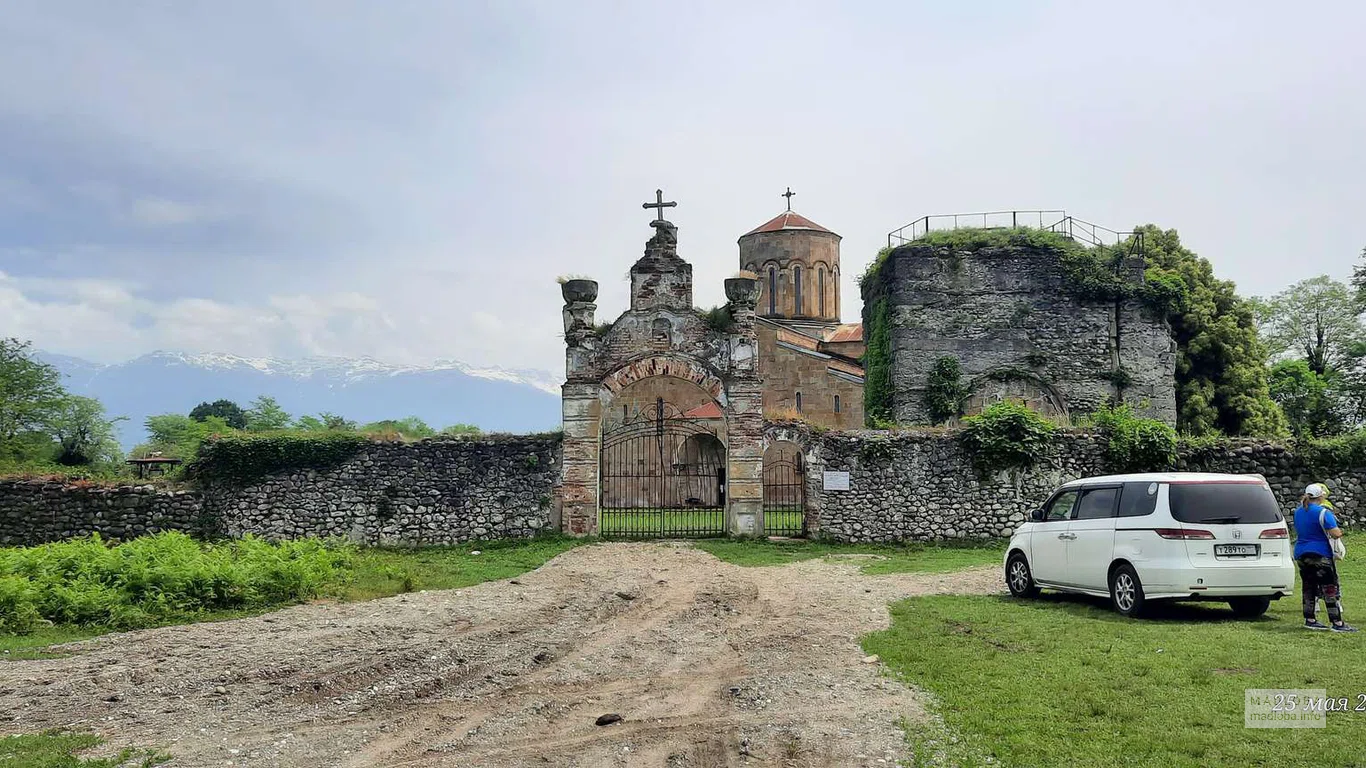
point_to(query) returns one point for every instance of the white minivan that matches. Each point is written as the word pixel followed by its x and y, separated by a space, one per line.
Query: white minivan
pixel 1160 536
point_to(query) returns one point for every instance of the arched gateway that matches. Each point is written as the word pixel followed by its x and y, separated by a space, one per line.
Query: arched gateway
pixel 663 422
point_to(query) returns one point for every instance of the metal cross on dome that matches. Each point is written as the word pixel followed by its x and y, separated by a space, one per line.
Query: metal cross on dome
pixel 788 194
pixel 659 204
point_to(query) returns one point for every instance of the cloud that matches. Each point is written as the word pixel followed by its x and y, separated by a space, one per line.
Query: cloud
pixel 160 212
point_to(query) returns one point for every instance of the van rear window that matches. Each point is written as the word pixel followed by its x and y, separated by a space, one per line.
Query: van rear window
pixel 1214 503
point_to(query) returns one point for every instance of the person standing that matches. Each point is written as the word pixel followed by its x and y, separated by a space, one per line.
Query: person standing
pixel 1315 525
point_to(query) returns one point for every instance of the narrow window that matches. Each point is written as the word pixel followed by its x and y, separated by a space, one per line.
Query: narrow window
pixel 772 291
pixel 799 402
pixel 837 403
pixel 625 412
pixel 797 290
pixel 820 290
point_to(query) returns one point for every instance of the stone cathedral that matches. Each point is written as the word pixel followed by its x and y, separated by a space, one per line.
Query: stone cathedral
pixel 673 416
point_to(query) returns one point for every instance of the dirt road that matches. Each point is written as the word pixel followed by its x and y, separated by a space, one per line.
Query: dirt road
pixel 707 663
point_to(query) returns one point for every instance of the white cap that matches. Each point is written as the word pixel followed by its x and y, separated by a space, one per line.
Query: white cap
pixel 1316 491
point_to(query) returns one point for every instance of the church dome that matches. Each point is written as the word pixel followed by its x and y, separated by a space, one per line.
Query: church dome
pixel 788 220
pixel 798 265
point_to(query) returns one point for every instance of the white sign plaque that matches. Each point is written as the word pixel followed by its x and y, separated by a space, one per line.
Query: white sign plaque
pixel 836 481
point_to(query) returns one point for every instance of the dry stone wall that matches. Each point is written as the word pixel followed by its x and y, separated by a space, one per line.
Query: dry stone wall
pixel 41 511
pixel 920 486
pixel 439 491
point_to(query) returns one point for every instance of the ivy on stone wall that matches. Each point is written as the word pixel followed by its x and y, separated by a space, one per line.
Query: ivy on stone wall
pixel 877 365
pixel 1333 455
pixel 1135 444
pixel 1007 435
pixel 945 390
pixel 242 459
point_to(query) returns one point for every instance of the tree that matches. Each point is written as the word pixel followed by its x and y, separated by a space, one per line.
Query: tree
pixel 227 410
pixel 461 429
pixel 1314 320
pixel 30 392
pixel 411 427
pixel 266 414
pixel 84 435
pixel 1311 401
pixel 179 436
pixel 1221 384
pixel 1359 282
pixel 324 421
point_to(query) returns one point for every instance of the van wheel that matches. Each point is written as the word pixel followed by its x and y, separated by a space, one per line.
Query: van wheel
pixel 1249 607
pixel 1018 578
pixel 1126 591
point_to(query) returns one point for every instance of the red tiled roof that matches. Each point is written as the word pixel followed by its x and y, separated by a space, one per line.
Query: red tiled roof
pixel 788 220
pixel 705 411
pixel 846 332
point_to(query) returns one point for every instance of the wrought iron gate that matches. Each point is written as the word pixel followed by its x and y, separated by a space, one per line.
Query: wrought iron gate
pixel 785 496
pixel 662 475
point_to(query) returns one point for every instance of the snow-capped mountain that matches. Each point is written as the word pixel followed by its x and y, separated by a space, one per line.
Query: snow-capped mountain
pixel 362 389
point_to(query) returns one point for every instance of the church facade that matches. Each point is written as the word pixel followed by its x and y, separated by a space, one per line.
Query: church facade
pixel 670 414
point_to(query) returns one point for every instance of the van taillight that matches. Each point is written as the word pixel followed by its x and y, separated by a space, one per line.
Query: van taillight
pixel 1275 533
pixel 1184 533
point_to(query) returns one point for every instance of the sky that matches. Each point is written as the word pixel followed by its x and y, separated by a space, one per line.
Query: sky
pixel 405 180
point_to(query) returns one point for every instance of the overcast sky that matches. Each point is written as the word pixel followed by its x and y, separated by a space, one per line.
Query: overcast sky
pixel 405 180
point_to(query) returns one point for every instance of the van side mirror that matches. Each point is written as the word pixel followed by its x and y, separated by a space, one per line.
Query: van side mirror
pixel 1037 515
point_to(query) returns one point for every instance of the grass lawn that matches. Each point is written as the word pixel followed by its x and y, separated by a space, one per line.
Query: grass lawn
pixel 1062 680
pixel 378 572
pixel 661 523
pixel 54 750
pixel 890 558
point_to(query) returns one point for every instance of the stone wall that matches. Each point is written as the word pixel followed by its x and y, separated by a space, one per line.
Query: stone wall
pixel 921 485
pixel 1007 315
pixel 438 491
pixel 41 511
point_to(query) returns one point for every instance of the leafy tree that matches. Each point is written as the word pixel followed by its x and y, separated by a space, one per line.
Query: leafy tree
pixel 1311 401
pixel 324 422
pixel 179 436
pixel 411 427
pixel 266 414
pixel 226 410
pixel 30 392
pixel 1221 383
pixel 83 433
pixel 461 429
pixel 1359 282
pixel 1315 320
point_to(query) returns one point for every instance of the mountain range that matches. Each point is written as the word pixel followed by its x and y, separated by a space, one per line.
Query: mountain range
pixel 361 389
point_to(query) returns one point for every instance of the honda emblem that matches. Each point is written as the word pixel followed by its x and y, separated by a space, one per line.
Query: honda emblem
pixel 1237 534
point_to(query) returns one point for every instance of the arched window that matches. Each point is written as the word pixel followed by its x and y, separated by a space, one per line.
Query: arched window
pixel 797 290
pixel 820 290
pixel 837 403
pixel 799 402
pixel 772 291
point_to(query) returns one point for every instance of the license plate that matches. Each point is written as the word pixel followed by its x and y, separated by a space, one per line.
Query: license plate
pixel 1236 550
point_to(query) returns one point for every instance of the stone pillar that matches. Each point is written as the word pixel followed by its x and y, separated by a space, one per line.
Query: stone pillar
pixel 582 417
pixel 581 412
pixel 745 416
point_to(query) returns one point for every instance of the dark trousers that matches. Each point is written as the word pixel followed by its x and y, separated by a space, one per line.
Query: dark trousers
pixel 1319 579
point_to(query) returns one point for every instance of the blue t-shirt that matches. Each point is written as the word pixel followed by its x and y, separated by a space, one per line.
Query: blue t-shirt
pixel 1309 535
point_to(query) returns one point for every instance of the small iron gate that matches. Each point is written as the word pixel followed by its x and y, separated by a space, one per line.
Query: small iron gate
pixel 785 496
pixel 662 476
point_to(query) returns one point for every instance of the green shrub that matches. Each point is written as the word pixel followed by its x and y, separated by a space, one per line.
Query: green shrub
pixel 158 578
pixel 1335 454
pixel 1007 435
pixel 944 390
pixel 720 319
pixel 1135 444
pixel 877 362
pixel 249 457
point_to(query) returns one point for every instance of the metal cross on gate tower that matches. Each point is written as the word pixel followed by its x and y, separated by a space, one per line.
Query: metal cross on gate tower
pixel 659 204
